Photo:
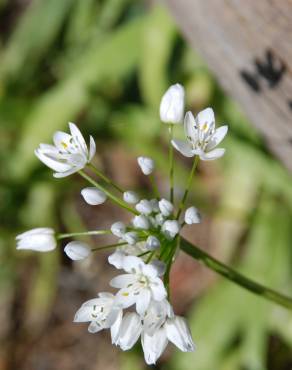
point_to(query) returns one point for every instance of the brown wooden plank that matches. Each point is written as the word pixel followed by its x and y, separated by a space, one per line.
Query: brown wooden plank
pixel 248 46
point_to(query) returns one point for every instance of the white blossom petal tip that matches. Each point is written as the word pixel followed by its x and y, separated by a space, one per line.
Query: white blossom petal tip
pixel 77 251
pixel 40 239
pixel 172 105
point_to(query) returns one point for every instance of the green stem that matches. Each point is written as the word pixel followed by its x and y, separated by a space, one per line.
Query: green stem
pixel 235 276
pixel 83 233
pixel 187 189
pixel 171 163
pixel 154 186
pixel 115 199
pixel 105 178
pixel 108 247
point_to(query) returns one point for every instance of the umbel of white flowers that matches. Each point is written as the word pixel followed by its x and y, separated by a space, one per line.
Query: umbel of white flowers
pixel 146 247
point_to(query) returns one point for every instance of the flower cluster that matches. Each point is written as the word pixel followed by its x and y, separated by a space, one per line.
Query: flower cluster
pixel 146 247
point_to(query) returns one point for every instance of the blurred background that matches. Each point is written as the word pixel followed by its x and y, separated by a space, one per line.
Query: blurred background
pixel 105 65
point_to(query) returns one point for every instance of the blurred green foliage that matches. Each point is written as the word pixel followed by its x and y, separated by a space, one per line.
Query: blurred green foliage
pixel 105 65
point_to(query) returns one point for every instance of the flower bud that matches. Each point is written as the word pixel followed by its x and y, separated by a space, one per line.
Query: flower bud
pixel 165 207
pixel 93 196
pixel 152 243
pixel 172 105
pixel 170 228
pixel 144 206
pixel 77 251
pixel 130 197
pixel 146 164
pixel 118 229
pixel 141 222
pixel 154 205
pixel 131 237
pixel 41 239
pixel 159 219
pixel 192 216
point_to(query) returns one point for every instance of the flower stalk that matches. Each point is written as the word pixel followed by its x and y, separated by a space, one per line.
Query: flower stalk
pixel 171 165
pixel 234 276
pixel 83 233
pixel 105 178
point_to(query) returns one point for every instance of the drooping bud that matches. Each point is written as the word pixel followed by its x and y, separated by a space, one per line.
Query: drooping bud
pixel 130 197
pixel 165 207
pixel 77 251
pixel 141 222
pixel 146 164
pixel 172 105
pixel 41 239
pixel 118 229
pixel 152 243
pixel 93 196
pixel 192 216
pixel 170 228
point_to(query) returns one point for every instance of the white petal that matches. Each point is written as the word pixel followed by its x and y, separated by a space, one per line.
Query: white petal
pixel 153 346
pixel 152 243
pixel 217 137
pixel 62 140
pixel 37 230
pixel 130 331
pixel 133 264
pixel 214 154
pixel 179 334
pixel 206 116
pixel 95 327
pixel 115 328
pixel 184 147
pixel 143 300
pixel 77 251
pixel 118 228
pixel 141 222
pixel 59 175
pixel 191 131
pixel 92 148
pixel 116 259
pixel 165 207
pixel 130 197
pixel 93 196
pixel 192 216
pixel 159 267
pixel 52 163
pixel 122 281
pixel 125 298
pixel 84 314
pixel 158 290
pixel 78 138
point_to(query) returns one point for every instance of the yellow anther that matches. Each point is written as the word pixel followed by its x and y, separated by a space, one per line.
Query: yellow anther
pixel 125 294
pixel 65 146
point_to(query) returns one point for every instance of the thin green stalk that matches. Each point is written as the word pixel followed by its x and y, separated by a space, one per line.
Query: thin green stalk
pixel 235 276
pixel 150 257
pixel 154 186
pixel 187 189
pixel 171 164
pixel 83 233
pixel 105 178
pixel 115 199
pixel 108 247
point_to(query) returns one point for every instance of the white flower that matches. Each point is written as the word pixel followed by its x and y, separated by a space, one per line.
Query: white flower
pixel 170 228
pixel 165 207
pixel 130 237
pixel 139 285
pixel 202 137
pixel 130 197
pixel 77 251
pixel 146 164
pixel 141 222
pixel 145 206
pixel 130 330
pixel 152 243
pixel 118 229
pixel 192 216
pixel 93 196
pixel 102 313
pixel 69 153
pixel 41 239
pixel 172 104
pixel 174 329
